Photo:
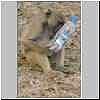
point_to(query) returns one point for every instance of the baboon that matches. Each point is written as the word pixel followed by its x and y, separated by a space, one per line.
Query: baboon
pixel 44 25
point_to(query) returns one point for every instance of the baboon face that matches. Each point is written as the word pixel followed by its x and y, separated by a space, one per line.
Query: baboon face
pixel 53 22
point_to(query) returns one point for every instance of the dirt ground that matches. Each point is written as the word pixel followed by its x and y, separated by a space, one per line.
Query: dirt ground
pixel 33 83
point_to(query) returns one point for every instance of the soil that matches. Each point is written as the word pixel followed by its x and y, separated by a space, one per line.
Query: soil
pixel 34 83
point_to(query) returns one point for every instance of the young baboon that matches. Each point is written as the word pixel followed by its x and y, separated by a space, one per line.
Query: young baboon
pixel 44 25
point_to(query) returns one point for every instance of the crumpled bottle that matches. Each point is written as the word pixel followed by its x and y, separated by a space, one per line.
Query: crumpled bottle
pixel 63 34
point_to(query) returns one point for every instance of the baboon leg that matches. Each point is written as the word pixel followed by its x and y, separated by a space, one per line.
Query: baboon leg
pixel 41 60
pixel 44 63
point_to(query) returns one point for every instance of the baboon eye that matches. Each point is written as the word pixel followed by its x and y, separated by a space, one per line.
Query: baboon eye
pixel 48 13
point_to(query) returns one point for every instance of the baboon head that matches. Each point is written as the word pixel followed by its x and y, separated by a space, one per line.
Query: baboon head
pixel 54 20
pixel 47 22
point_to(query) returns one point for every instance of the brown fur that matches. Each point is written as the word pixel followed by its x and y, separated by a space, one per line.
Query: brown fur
pixel 36 55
